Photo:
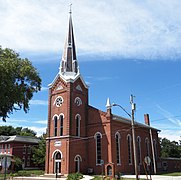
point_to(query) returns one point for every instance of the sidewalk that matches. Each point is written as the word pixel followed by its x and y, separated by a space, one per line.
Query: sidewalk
pixel 86 177
pixel 155 177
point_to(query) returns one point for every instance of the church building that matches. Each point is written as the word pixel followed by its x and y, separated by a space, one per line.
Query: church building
pixel 82 138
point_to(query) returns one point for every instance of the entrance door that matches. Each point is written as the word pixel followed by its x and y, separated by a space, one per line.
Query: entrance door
pixel 57 163
pixel 57 167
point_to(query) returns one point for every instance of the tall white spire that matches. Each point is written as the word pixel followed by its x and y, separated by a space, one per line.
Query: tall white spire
pixel 69 64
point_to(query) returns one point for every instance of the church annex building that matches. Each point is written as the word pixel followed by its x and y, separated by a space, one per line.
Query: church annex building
pixel 82 138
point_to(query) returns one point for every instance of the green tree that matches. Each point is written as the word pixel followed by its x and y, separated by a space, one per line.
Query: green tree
pixel 18 81
pixel 27 132
pixel 170 148
pixel 7 130
pixel 39 153
pixel 10 131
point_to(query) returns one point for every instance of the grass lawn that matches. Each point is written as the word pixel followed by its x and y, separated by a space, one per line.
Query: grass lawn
pixel 172 174
pixel 122 178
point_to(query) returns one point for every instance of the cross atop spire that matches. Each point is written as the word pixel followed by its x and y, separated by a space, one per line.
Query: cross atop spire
pixel 70 11
pixel 69 65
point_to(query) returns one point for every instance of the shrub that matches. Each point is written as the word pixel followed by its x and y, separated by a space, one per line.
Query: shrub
pixel 75 176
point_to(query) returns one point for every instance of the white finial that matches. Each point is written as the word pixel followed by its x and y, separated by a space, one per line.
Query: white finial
pixel 108 104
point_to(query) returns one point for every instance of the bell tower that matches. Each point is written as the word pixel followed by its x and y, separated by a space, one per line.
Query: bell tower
pixel 67 114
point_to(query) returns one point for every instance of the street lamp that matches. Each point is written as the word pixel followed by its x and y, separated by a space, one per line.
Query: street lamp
pixel 133 108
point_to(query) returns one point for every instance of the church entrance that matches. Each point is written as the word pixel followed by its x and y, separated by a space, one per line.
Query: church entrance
pixel 57 163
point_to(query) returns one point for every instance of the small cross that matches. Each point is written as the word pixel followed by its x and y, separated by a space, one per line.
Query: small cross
pixel 70 8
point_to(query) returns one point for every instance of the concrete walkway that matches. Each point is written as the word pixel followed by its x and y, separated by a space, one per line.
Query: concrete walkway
pixel 155 177
pixel 86 177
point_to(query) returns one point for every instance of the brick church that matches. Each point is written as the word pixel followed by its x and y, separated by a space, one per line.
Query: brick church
pixel 82 138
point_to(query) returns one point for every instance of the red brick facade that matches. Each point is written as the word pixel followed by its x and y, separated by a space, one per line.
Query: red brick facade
pixel 70 145
pixel 83 138
pixel 18 146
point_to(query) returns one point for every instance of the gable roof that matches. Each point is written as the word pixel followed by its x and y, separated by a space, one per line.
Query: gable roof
pixel 16 138
pixel 128 121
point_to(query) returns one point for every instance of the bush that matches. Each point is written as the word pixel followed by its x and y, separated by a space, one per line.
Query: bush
pixel 75 176
pixel 18 164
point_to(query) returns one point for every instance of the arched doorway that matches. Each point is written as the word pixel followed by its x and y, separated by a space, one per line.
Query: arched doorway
pixel 57 162
pixel 77 160
pixel 109 170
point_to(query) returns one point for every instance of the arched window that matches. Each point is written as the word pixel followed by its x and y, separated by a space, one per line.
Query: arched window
pixel 55 125
pixel 155 148
pixel 118 138
pixel 61 124
pixel 129 149
pixel 147 143
pixel 77 118
pixel 98 137
pixel 77 160
pixel 139 149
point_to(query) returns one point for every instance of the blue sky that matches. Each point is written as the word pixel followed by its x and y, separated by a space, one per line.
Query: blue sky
pixel 123 47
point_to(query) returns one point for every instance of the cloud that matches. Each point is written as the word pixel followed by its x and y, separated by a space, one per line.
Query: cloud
pixel 171 135
pixel 44 88
pixel 38 130
pixel 129 29
pixel 39 102
pixel 42 122
pixel 169 116
pixel 170 131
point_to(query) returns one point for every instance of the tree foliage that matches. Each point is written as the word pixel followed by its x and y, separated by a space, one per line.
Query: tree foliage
pixel 39 153
pixel 10 131
pixel 18 81
pixel 170 148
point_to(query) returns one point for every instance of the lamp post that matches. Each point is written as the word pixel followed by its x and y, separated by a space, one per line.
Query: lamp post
pixel 133 108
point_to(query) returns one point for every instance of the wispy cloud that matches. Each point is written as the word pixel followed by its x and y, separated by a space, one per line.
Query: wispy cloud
pixel 39 102
pixel 103 78
pixel 41 122
pixel 44 88
pixel 169 116
pixel 130 29
pixel 39 126
pixel 171 132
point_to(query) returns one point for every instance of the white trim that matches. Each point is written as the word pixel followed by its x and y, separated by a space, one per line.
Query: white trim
pixel 95 137
pixel 79 156
pixel 61 114
pixel 57 150
pixel 97 134
pixel 79 101
pixel 56 100
pixel 68 79
pixel 54 117
pixel 78 159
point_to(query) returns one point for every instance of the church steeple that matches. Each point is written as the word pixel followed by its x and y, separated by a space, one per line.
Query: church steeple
pixel 69 65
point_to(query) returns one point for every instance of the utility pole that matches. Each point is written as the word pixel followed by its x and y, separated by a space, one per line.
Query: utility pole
pixel 133 107
pixel 153 151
